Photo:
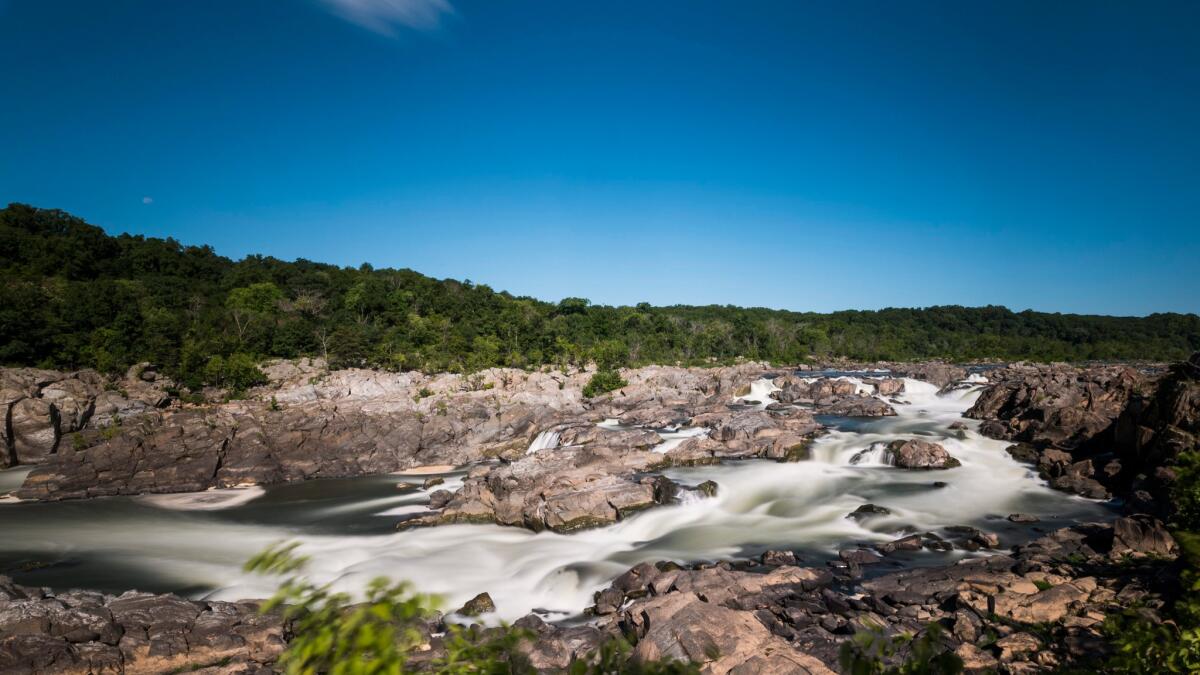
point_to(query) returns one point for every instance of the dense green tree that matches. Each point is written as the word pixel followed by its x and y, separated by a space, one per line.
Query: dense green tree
pixel 72 296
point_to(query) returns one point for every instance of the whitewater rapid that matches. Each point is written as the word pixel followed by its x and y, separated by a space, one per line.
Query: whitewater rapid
pixel 345 526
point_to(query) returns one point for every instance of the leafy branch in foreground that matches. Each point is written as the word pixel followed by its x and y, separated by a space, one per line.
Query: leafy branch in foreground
pixel 332 634
pixel 869 653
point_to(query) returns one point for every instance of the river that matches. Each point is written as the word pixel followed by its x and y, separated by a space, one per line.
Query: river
pixel 195 544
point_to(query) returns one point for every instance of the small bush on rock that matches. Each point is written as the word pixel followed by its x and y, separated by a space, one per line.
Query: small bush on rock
pixel 603 382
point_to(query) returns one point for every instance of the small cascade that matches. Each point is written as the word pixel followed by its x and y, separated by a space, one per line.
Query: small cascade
pixel 760 392
pixel 544 441
pixel 673 439
pixel 860 387
pixel 876 454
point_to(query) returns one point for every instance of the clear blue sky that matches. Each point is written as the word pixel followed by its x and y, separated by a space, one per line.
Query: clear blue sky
pixel 802 155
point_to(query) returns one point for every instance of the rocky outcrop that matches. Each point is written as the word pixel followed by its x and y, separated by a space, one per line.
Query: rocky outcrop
pixel 781 434
pixel 569 489
pixel 85 632
pixel 934 372
pixel 1055 405
pixel 599 475
pixel 1064 418
pixel 42 409
pixel 838 396
pixel 311 423
pixel 1152 432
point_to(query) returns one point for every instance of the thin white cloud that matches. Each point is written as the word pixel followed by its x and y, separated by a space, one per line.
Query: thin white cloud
pixel 385 16
pixel 147 200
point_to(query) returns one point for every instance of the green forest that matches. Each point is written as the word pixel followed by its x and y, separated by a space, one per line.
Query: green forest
pixel 71 296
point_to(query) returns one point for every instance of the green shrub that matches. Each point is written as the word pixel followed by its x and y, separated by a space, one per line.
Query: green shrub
pixel 603 382
pixel 237 372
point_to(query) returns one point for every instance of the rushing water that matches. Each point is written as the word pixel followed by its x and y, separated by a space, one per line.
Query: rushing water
pixel 195 544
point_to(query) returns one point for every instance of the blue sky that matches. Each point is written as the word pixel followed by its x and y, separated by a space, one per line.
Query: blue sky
pixel 809 156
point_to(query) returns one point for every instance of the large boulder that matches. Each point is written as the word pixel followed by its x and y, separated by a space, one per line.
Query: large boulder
pixel 34 426
pixel 918 454
pixel 683 627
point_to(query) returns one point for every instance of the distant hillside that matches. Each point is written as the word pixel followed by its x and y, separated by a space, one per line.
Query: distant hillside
pixel 72 296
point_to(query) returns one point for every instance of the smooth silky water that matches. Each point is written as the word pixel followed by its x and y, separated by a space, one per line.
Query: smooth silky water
pixel 195 544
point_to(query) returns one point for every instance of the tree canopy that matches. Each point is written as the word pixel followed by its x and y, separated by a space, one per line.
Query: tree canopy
pixel 72 296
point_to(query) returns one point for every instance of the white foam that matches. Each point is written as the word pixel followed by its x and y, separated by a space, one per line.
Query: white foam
pixel 544 441
pixel 673 439
pixel 760 392
pixel 209 500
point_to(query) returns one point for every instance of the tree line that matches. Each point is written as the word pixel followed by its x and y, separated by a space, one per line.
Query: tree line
pixel 72 296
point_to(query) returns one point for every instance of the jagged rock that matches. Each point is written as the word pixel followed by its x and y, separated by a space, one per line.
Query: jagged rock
pixel 480 604
pixel 887 386
pixel 312 423
pixel 1141 536
pixel 565 490
pixel 83 632
pixel 940 374
pixel 867 511
pixel 683 626
pixel 1054 405
pixel 859 556
pixel 778 558
pixel 555 648
pixel 440 498
pixel 912 542
pixel 1022 518
pixel 858 406
pixel 839 397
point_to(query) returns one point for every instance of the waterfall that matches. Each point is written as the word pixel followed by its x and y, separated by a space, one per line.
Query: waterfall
pixel 673 439
pixel 545 440
pixel 760 391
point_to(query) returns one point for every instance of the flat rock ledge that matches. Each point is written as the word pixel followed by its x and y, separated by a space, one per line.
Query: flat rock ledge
pixel 86 632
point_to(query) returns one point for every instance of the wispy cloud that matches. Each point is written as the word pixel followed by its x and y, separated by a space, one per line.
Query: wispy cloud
pixel 147 200
pixel 385 16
